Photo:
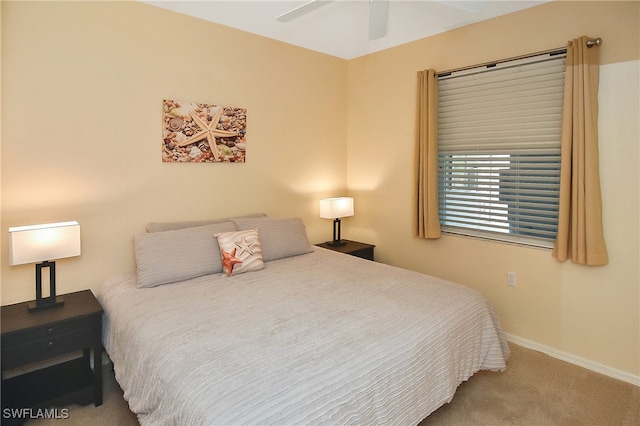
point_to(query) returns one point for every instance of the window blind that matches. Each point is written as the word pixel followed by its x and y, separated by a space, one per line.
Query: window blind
pixel 499 130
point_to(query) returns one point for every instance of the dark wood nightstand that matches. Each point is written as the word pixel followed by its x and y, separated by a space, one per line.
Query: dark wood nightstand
pixel 34 337
pixel 354 248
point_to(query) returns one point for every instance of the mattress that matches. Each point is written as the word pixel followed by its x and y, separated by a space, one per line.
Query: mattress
pixel 319 338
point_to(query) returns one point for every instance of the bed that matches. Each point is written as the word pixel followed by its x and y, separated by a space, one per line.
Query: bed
pixel 310 336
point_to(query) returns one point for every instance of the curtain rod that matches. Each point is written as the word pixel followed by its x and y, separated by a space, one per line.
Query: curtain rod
pixel 558 50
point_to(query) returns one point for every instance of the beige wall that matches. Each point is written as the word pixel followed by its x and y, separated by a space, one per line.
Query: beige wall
pixel 82 85
pixel 82 90
pixel 587 313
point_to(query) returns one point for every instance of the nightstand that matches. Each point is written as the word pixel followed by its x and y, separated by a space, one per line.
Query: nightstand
pixel 30 338
pixel 354 248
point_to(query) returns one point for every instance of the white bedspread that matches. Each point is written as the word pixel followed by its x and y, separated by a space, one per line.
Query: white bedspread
pixel 320 338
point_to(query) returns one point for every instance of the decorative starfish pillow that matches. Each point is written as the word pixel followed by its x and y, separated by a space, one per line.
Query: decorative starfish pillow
pixel 241 251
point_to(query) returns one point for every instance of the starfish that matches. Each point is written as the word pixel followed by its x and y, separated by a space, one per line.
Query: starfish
pixel 208 131
pixel 229 259
pixel 245 246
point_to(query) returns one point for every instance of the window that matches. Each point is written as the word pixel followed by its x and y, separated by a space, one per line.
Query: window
pixel 499 129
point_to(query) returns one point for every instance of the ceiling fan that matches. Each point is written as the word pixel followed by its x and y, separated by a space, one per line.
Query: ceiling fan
pixel 378 12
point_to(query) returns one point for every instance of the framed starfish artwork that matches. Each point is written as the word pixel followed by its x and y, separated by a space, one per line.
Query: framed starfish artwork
pixel 202 133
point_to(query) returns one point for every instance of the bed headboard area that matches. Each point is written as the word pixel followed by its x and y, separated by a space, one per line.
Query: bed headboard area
pixel 177 251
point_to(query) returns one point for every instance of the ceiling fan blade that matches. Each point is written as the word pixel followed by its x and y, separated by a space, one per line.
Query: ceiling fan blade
pixel 301 10
pixel 378 18
pixel 472 6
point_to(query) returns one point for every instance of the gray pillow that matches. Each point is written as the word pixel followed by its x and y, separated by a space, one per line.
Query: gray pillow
pixel 170 256
pixel 169 226
pixel 279 237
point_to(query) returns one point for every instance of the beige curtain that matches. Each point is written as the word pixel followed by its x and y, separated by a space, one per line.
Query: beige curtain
pixel 580 235
pixel 427 223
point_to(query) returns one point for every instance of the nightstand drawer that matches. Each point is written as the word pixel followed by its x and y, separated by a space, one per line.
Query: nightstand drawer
pixel 45 348
pixel 44 332
pixel 365 253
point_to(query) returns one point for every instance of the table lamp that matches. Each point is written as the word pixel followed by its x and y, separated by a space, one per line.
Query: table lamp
pixel 41 244
pixel 335 208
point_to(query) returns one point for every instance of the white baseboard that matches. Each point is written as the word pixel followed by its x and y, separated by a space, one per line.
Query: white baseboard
pixel 576 360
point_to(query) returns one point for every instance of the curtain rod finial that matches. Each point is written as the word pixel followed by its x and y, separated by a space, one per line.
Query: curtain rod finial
pixel 596 42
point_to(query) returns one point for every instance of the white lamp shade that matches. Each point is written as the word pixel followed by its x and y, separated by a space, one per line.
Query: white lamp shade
pixel 38 243
pixel 333 208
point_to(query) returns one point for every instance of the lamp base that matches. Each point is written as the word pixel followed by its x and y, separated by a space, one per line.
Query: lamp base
pixel 46 303
pixel 337 241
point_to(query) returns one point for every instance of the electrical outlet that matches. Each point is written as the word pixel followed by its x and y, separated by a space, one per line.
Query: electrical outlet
pixel 511 279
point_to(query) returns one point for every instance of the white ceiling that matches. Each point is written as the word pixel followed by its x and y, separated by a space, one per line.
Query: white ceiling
pixel 340 28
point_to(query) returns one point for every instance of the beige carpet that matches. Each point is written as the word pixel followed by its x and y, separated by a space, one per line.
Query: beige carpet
pixel 535 390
